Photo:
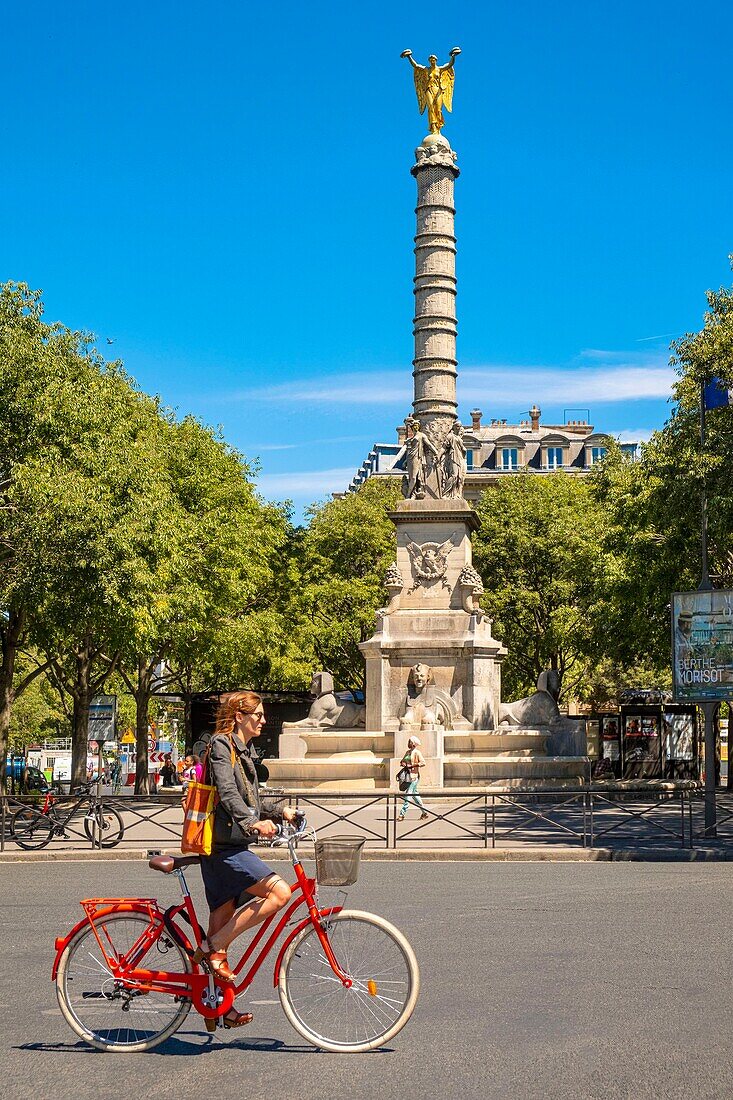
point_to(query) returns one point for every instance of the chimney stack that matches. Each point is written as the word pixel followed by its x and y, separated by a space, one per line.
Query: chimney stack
pixel 476 415
pixel 535 413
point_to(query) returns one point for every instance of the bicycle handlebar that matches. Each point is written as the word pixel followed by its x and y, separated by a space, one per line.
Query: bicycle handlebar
pixel 287 832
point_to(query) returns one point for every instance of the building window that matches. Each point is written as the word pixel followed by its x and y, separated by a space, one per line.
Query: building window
pixel 469 460
pixel 509 458
pixel 554 458
pixel 596 454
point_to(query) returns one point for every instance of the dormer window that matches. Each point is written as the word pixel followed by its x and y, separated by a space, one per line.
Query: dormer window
pixel 596 454
pixel 555 452
pixel 509 458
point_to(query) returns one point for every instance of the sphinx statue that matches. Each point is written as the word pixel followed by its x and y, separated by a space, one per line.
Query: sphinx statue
pixel 329 710
pixel 541 711
pixel 420 709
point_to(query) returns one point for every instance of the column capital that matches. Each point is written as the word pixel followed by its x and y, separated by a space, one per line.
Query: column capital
pixel 435 152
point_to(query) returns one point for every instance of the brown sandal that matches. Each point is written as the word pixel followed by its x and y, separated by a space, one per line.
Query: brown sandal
pixel 236 1019
pixel 217 963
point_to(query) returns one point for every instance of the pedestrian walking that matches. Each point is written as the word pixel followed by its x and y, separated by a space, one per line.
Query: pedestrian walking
pixel 116 774
pixel 414 760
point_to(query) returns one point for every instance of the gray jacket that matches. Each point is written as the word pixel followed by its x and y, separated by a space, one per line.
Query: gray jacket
pixel 240 804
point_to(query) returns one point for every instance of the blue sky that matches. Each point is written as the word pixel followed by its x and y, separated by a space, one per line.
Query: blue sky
pixel 224 192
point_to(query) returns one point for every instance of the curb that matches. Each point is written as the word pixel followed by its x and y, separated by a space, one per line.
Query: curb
pixel 420 855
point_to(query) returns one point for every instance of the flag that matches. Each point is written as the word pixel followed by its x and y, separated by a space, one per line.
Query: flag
pixel 717 393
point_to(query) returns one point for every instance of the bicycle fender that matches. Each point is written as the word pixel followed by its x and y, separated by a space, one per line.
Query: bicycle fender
pixel 62 942
pixel 303 924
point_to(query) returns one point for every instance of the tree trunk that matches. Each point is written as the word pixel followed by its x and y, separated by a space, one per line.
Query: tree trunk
pixel 142 722
pixel 10 638
pixel 81 693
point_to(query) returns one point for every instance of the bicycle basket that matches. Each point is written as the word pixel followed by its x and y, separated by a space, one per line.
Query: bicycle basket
pixel 337 860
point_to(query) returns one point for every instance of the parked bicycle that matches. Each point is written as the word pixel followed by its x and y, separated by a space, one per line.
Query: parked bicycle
pixel 347 980
pixel 35 827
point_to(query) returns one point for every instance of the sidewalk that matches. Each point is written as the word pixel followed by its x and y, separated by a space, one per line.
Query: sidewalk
pixel 722 853
pixel 557 826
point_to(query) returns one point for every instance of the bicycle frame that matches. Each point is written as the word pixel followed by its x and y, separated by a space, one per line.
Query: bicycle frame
pixel 198 984
pixel 60 818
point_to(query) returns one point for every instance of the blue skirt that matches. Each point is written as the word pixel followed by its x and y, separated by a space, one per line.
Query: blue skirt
pixel 227 874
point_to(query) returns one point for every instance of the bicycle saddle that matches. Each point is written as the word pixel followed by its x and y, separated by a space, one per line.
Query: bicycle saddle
pixel 166 864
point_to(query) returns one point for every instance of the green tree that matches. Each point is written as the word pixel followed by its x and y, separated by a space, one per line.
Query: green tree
pixel 44 374
pixel 37 712
pixel 654 505
pixel 544 569
pixel 214 568
pixel 341 558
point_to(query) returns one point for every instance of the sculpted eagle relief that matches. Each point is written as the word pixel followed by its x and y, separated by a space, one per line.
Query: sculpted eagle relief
pixel 429 561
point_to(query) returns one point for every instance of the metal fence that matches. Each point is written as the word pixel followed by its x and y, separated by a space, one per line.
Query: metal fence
pixel 653 815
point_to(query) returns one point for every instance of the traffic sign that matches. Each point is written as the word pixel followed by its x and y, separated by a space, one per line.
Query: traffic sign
pixel 128 738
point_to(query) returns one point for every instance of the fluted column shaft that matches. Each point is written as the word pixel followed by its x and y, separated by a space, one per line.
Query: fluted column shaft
pixel 435 325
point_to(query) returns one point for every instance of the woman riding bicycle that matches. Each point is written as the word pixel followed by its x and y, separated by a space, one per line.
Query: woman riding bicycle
pixel 241 890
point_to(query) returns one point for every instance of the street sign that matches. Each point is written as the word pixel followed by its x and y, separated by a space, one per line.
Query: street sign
pixel 102 710
pixel 702 646
pixel 128 738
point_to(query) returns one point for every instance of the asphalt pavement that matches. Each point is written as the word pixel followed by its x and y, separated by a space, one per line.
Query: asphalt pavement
pixel 552 980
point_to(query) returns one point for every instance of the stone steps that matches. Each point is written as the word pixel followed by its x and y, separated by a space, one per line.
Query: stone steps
pixel 328 742
pixel 343 771
pixel 461 744
pixel 461 771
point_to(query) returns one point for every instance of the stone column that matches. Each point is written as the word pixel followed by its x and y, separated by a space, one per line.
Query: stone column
pixel 435 362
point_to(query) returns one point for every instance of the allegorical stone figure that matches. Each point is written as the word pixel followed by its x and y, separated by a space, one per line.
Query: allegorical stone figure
pixel 418 449
pixel 434 87
pixel 453 463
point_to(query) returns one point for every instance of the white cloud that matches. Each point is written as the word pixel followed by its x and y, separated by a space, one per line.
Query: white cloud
pixel 255 448
pixel 634 435
pixel 370 388
pixel 599 376
pixel 558 386
pixel 305 484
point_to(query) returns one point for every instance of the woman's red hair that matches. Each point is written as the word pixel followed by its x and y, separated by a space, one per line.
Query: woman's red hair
pixel 243 702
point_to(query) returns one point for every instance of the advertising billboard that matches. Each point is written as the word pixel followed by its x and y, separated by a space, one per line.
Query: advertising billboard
pixel 702 646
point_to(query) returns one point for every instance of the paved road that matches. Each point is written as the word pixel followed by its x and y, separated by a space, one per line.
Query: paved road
pixel 597 981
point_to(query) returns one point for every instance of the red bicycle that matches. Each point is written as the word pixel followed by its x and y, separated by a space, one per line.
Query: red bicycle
pixel 348 981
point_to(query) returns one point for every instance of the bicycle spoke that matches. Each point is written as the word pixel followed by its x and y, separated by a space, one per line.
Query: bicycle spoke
pixel 107 1011
pixel 380 998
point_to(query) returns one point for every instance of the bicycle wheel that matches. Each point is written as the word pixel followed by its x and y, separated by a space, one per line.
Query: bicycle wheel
pixel 113 827
pixel 30 829
pixel 385 976
pixel 99 1008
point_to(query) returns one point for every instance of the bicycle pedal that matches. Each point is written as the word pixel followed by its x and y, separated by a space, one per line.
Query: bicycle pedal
pixel 210 1022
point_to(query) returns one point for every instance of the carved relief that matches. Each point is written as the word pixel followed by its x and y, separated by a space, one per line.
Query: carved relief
pixel 429 562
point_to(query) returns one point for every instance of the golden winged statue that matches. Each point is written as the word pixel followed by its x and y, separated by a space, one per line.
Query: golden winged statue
pixel 434 87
